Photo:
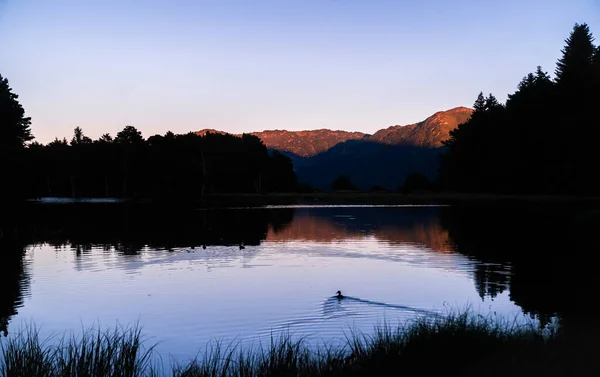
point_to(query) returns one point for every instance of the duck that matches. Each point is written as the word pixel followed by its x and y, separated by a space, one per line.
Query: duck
pixel 339 295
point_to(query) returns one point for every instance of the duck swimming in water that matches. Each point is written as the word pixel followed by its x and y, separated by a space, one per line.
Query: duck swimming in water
pixel 339 294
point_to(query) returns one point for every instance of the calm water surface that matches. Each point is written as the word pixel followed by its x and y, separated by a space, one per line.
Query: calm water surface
pixel 393 263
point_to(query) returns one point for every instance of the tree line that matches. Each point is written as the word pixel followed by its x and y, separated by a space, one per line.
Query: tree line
pixel 166 166
pixel 163 166
pixel 542 140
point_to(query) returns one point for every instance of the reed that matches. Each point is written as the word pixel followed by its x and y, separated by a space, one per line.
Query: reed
pixel 455 344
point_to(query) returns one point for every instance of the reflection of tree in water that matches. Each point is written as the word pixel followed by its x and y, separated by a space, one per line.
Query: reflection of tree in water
pixel 14 281
pixel 489 282
pixel 541 256
pixel 129 229
pixel 473 236
pixel 549 274
pixel 125 230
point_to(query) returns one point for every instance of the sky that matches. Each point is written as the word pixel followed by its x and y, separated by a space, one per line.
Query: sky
pixel 252 65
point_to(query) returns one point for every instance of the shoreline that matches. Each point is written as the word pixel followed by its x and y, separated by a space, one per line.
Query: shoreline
pixel 336 198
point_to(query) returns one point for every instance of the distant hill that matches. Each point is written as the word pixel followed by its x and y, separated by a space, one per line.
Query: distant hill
pixel 429 133
pixel 384 158
pixel 306 143
pixel 367 164
pixel 300 143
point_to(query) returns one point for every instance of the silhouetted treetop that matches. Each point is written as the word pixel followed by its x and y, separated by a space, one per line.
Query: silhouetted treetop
pixel 491 103
pixel 533 88
pixel 479 104
pixel 79 137
pixel 15 128
pixel 129 135
pixel 105 138
pixel 58 143
pixel 542 76
pixel 575 65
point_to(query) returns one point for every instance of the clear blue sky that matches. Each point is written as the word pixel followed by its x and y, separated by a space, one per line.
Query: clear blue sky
pixel 249 65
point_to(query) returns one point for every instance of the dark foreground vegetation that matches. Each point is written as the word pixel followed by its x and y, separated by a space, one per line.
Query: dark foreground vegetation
pixel 456 345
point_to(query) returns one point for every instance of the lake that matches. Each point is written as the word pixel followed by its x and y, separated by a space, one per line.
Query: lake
pixel 192 277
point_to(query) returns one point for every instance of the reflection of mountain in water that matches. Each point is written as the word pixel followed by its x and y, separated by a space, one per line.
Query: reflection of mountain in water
pixel 417 226
pixel 542 256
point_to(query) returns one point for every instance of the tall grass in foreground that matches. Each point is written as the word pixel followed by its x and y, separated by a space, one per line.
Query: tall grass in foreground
pixel 116 352
pixel 453 345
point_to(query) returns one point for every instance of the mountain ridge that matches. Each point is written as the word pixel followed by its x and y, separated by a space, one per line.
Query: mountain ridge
pixel 429 133
pixel 441 123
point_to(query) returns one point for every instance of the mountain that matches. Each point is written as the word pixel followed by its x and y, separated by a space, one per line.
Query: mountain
pixel 300 143
pixel 306 143
pixel 384 158
pixel 367 164
pixel 429 133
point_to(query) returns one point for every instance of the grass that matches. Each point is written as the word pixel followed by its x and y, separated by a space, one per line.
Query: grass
pixel 462 344
pixel 116 352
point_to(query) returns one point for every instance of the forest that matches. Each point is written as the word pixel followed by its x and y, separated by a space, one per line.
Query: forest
pixel 129 166
pixel 542 140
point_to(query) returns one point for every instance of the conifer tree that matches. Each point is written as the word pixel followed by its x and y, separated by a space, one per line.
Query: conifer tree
pixel 479 104
pixel 575 66
pixel 491 103
pixel 15 128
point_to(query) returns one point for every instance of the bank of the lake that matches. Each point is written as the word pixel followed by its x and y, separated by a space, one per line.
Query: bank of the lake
pixel 453 345
pixel 339 198
pixel 392 198
pixel 182 275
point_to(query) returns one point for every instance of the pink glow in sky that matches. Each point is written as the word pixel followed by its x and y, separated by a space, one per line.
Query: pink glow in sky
pixel 243 66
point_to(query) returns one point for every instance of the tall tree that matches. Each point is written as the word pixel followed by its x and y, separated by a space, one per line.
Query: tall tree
pixel 474 158
pixel 15 128
pixel 574 68
pixel 543 141
pixel 577 94
pixel 491 103
pixel 479 104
